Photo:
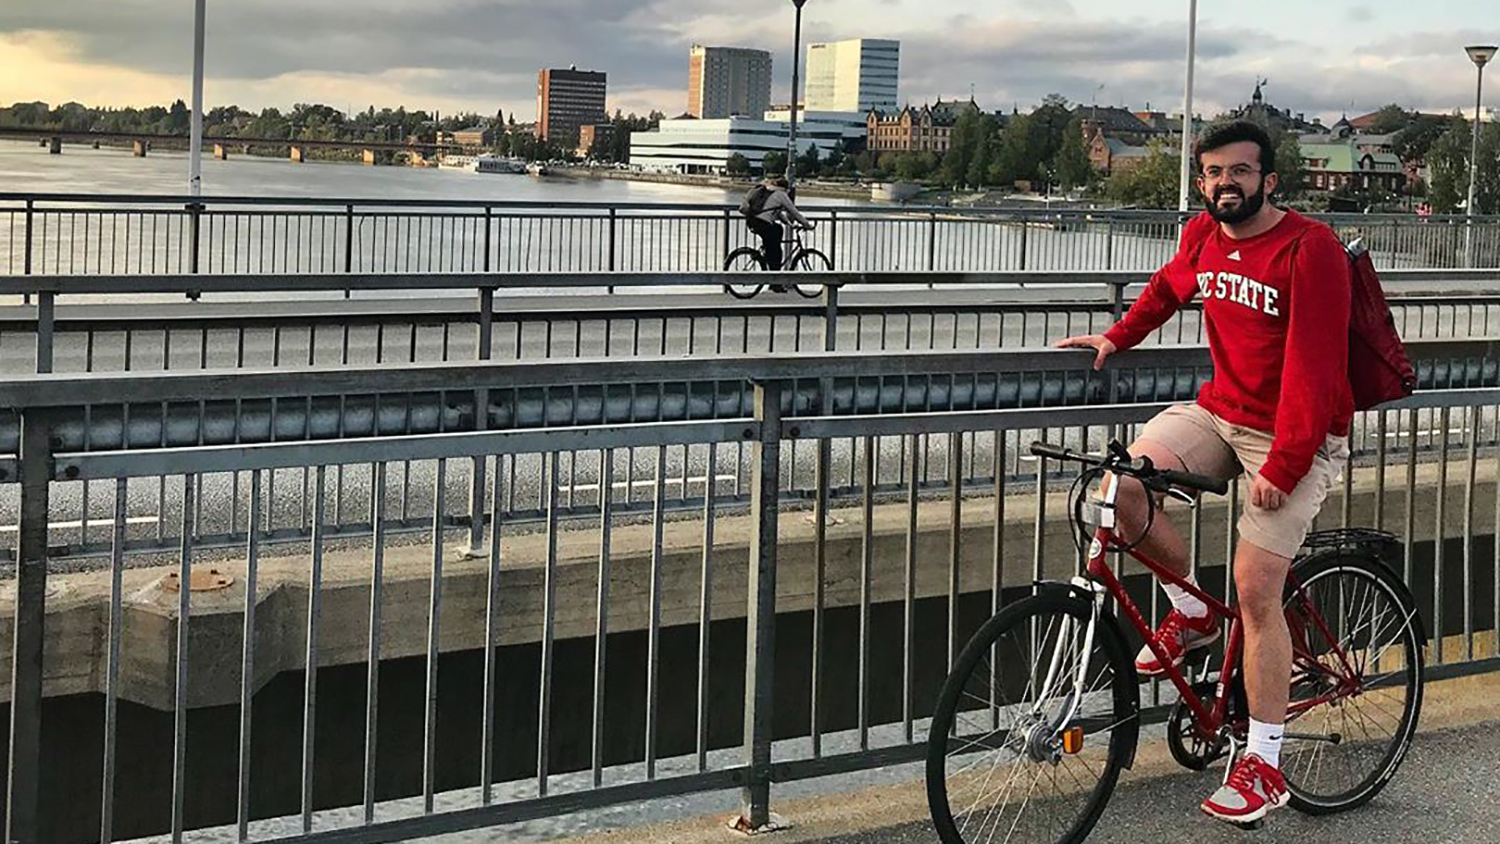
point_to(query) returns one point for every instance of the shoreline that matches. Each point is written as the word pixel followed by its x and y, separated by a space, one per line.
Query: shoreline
pixel 726 183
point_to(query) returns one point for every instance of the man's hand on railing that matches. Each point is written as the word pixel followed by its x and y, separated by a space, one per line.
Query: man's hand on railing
pixel 1101 345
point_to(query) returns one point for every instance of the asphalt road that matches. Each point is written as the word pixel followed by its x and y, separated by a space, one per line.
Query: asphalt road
pixel 1443 794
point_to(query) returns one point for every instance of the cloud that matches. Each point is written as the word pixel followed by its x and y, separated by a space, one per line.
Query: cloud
pixel 481 55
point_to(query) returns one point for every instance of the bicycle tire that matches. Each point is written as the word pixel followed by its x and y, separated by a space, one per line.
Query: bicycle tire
pixel 744 259
pixel 1351 579
pixel 1115 709
pixel 811 260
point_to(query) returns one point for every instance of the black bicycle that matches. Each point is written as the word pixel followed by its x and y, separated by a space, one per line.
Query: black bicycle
pixel 796 256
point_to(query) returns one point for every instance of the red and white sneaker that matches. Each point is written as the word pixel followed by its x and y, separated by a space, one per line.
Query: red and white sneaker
pixel 1177 635
pixel 1253 789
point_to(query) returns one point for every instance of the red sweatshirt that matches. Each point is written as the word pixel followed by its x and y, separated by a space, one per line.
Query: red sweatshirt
pixel 1276 308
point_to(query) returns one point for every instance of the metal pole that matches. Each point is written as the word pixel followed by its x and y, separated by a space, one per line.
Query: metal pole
pixel 485 342
pixel 1473 168
pixel 1474 145
pixel 760 619
pixel 23 799
pixel 195 152
pixel 791 152
pixel 1187 109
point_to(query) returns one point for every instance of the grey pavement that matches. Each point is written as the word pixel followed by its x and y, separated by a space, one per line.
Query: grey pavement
pixel 1444 792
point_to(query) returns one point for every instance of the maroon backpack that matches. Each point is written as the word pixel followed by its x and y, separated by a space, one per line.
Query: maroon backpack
pixel 1379 370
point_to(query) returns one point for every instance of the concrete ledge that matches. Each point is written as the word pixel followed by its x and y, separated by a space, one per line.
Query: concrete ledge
pixel 78 603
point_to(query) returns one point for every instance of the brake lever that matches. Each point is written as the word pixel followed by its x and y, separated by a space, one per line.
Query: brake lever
pixel 1182 495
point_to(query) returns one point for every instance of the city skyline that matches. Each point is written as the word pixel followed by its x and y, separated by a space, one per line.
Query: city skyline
pixel 460 55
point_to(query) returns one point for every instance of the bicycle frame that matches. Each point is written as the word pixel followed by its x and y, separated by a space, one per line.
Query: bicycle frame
pixel 792 246
pixel 1208 720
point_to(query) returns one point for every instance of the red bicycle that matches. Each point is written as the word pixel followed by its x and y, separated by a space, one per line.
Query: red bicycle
pixel 1041 709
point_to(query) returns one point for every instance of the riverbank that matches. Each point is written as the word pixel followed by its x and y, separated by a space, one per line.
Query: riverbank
pixel 729 183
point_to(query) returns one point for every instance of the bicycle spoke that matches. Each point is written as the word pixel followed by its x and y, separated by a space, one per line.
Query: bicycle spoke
pixel 1018 691
pixel 1366 635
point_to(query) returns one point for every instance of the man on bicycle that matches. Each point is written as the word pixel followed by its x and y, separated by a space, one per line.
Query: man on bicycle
pixel 776 209
pixel 1275 288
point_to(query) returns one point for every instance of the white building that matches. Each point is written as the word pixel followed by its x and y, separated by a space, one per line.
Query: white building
pixel 854 75
pixel 686 145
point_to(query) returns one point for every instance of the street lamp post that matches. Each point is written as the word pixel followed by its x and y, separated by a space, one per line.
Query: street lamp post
pixel 195 144
pixel 1187 109
pixel 791 152
pixel 1480 55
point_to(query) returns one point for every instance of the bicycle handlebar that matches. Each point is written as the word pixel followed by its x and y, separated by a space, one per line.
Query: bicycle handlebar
pixel 1140 468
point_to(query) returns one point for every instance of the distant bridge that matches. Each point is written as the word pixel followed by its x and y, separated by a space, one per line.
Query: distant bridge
pixel 143 141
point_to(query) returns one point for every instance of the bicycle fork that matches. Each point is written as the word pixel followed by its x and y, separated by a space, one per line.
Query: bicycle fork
pixel 1056 678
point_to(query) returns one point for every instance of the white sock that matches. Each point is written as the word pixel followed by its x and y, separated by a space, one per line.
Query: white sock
pixel 1184 601
pixel 1265 742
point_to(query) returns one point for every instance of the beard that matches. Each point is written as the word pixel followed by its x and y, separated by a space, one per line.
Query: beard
pixel 1248 206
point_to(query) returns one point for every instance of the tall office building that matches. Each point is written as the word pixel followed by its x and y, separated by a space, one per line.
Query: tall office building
pixel 853 76
pixel 724 81
pixel 567 98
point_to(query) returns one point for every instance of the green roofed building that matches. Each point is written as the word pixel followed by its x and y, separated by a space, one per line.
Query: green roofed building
pixel 1331 166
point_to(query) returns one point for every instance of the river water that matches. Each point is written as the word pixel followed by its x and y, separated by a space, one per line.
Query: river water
pixel 27 167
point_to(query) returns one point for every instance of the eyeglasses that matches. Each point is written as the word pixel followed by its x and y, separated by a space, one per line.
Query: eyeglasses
pixel 1239 172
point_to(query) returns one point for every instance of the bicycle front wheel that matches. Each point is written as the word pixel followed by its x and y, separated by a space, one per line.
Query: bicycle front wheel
pixel 1032 728
pixel 745 259
pixel 811 260
pixel 1357 672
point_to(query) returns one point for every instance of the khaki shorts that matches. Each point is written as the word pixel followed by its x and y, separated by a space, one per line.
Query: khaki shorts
pixel 1207 445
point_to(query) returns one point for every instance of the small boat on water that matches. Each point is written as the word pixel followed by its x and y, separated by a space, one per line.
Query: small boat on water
pixel 489 163
pixel 458 162
pixel 483 163
pixel 536 168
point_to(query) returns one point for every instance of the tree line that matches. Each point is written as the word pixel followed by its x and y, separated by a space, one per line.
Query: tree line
pixel 316 121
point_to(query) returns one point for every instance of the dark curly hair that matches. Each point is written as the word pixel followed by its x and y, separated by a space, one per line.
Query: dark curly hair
pixel 1224 134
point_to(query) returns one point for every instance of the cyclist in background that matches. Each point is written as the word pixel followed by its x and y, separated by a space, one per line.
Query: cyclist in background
pixel 774 210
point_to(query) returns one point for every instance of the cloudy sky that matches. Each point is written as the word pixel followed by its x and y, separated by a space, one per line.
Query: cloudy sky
pixel 1322 58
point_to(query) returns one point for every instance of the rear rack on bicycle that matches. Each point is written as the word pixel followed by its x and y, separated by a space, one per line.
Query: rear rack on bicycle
pixel 1357 537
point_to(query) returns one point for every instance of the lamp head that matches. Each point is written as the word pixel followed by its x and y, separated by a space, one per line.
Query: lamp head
pixel 1480 55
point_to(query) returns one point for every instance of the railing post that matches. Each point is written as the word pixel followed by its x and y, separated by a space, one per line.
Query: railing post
pixel 612 219
pixel 833 237
pixel 760 618
pixel 30 211
pixel 1395 242
pixel 45 326
pixel 1024 227
pixel 726 235
pixel 195 210
pixel 488 224
pixel 481 422
pixel 1109 245
pixel 348 243
pixel 24 771
pixel 821 482
pixel 1117 312
pixel 931 241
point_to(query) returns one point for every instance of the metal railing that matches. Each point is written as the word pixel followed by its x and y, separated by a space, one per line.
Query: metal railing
pixel 49 234
pixel 930 549
pixel 190 336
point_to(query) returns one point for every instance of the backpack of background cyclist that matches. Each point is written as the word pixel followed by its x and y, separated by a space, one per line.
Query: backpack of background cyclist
pixel 1379 369
pixel 755 201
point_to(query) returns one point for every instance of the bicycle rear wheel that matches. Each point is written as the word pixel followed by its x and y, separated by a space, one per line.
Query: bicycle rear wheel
pixel 1012 757
pixel 811 260
pixel 1357 673
pixel 744 260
